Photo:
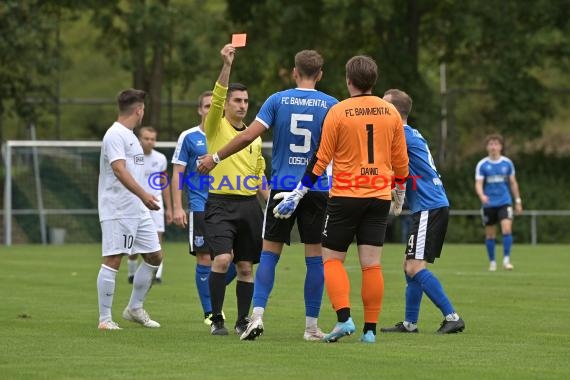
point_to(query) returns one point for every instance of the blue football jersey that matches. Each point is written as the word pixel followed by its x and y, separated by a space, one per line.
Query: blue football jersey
pixel 424 189
pixel 191 145
pixel 296 116
pixel 495 176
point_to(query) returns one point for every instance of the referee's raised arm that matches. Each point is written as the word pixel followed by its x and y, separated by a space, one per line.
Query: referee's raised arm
pixel 212 122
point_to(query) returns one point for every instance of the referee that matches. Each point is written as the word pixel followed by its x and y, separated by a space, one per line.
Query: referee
pixel 233 215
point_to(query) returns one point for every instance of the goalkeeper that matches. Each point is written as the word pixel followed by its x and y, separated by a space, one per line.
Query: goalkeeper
pixel 430 211
pixel 364 138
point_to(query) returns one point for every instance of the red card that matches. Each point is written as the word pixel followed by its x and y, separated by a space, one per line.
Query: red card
pixel 238 40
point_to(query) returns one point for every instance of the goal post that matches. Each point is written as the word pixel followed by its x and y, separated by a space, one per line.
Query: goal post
pixel 50 186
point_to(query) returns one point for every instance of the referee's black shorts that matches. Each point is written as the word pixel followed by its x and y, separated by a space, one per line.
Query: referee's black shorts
pixel 309 215
pixel 427 233
pixel 345 218
pixel 234 222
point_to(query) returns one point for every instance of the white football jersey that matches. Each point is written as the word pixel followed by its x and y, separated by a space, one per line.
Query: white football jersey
pixel 154 163
pixel 115 200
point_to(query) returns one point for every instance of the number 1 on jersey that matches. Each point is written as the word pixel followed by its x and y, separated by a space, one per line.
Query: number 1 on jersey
pixel 370 133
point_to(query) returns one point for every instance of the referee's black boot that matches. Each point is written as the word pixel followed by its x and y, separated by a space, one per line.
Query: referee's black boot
pixel 241 325
pixel 217 327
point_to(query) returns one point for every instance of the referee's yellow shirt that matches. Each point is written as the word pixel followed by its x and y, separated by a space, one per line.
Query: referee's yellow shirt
pixel 243 172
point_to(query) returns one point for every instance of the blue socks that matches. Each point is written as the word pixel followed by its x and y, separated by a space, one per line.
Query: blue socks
pixel 264 278
pixel 314 282
pixel 202 274
pixel 507 244
pixel 231 273
pixel 414 294
pixel 490 244
pixel 202 284
pixel 314 285
pixel 433 289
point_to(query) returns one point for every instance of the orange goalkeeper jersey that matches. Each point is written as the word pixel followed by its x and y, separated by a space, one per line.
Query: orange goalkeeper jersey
pixel 364 138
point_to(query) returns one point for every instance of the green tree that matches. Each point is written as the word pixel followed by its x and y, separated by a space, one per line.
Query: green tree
pixel 496 49
pixel 158 41
pixel 502 49
pixel 138 33
pixel 28 57
pixel 387 31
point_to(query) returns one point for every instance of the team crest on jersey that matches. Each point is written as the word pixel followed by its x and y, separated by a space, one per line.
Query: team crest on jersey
pixel 198 241
pixel 139 159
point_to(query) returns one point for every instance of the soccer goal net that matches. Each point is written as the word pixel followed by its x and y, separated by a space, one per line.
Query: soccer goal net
pixel 50 191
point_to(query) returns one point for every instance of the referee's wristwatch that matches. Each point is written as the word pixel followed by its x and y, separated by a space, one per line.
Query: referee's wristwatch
pixel 216 158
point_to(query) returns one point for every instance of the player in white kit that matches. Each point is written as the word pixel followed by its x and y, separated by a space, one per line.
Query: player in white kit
pixel 156 183
pixel 124 206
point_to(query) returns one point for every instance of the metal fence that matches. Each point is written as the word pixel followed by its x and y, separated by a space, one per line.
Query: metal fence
pixel 42 212
pixel 533 216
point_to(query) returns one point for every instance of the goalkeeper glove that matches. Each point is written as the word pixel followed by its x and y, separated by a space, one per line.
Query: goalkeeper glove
pixel 290 200
pixel 398 196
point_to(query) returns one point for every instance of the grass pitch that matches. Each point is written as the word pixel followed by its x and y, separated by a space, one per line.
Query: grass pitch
pixel 517 322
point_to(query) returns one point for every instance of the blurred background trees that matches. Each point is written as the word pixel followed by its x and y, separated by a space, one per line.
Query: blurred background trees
pixel 505 63
pixel 472 67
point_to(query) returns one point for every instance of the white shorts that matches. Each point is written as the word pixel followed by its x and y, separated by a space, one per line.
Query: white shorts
pixel 129 236
pixel 158 219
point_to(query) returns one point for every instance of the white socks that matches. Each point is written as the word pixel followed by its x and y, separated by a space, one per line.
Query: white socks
pixel 159 271
pixel 452 317
pixel 257 312
pixel 132 265
pixel 310 323
pixel 141 284
pixel 106 291
pixel 410 326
